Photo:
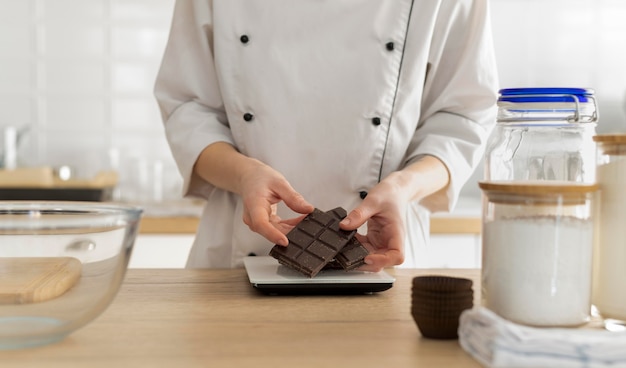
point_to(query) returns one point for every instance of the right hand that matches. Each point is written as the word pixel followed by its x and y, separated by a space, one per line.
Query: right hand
pixel 262 188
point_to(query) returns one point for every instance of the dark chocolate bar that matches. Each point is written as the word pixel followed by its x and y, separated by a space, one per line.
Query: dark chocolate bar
pixel 314 242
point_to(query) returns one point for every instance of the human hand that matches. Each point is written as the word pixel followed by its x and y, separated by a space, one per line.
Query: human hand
pixel 262 188
pixel 383 209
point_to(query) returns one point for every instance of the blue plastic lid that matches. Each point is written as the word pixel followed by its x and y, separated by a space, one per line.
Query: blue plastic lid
pixel 546 94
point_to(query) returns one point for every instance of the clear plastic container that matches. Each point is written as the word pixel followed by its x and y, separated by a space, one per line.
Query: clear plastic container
pixel 537 241
pixel 543 134
pixel 609 282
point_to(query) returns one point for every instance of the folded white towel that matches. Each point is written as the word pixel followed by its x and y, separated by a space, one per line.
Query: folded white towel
pixel 499 343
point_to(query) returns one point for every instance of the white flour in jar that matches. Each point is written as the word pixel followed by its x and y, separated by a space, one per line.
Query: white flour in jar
pixel 537 270
pixel 609 289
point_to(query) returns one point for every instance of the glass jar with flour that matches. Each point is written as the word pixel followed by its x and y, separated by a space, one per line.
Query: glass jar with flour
pixel 609 282
pixel 537 244
pixel 543 134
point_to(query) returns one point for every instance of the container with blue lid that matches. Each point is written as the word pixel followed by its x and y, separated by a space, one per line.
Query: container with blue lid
pixel 543 134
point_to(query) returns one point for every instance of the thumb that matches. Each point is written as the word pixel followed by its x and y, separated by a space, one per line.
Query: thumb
pixel 356 218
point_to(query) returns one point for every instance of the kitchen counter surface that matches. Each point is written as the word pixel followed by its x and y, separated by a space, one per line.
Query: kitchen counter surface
pixel 214 318
pixel 183 219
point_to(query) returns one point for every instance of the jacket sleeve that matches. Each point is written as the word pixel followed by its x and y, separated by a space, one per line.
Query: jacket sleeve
pixel 187 92
pixel 460 91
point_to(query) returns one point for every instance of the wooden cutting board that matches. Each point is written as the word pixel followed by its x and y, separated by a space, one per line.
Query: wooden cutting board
pixel 33 280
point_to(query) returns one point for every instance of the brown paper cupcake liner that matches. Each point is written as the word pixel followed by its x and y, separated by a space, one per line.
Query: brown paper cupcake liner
pixel 441 308
pixel 439 314
pixel 440 283
pixel 437 329
pixel 443 298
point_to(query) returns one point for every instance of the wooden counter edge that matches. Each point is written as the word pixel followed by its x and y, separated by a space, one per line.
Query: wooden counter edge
pixel 169 225
pixel 189 224
pixel 455 225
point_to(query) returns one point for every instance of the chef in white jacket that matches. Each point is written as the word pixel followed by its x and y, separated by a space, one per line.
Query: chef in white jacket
pixel 274 107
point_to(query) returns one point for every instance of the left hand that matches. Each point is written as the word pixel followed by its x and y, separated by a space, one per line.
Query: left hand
pixel 384 210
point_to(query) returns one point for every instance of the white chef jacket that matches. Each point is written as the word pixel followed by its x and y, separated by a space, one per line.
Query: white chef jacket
pixel 333 94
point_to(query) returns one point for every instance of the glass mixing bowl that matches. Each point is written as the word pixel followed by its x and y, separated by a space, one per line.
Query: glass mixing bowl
pixel 61 265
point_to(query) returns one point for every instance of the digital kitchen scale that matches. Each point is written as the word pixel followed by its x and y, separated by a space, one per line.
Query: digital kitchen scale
pixel 270 277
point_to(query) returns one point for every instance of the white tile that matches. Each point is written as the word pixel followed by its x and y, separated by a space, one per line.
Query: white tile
pixel 17 40
pixel 611 15
pixel 614 85
pixel 76 112
pixel 138 42
pixel 16 77
pixel 71 40
pixel 75 77
pixel 142 10
pixel 611 51
pixel 551 75
pixel 15 10
pixel 134 77
pixel 136 114
pixel 16 110
pixel 74 10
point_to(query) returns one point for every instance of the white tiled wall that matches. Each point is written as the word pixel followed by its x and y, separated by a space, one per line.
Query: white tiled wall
pixel 80 73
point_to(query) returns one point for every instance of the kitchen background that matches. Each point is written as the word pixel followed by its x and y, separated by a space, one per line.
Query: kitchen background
pixel 76 77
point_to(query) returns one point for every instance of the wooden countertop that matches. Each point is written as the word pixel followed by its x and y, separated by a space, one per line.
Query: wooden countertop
pixel 452 224
pixel 214 318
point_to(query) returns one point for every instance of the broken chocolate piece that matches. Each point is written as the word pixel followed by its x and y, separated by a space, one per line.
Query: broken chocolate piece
pixel 314 242
pixel 333 265
pixel 352 255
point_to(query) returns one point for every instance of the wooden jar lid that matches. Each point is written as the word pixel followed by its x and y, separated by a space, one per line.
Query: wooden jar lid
pixel 544 192
pixel 610 138
pixel 611 144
